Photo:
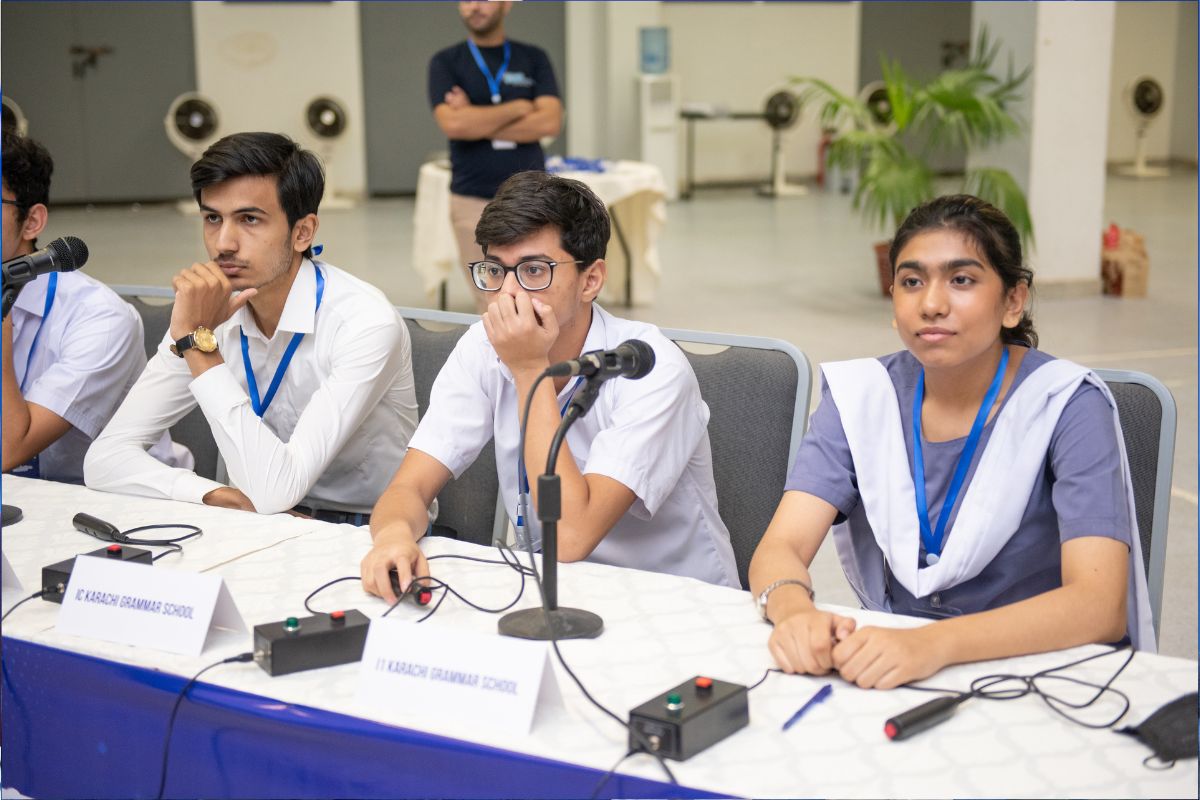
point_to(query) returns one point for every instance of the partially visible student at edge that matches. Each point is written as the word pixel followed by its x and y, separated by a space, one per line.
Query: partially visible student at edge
pixel 1010 521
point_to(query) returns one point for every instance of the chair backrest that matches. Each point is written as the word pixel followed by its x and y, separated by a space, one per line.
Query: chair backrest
pixel 757 390
pixel 468 507
pixel 193 431
pixel 1147 412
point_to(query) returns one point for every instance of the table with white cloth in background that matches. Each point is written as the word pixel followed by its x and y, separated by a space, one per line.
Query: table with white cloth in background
pixel 634 192
pixel 102 708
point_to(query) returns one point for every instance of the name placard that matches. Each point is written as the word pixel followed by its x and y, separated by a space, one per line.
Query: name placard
pixel 145 606
pixel 412 670
pixel 9 580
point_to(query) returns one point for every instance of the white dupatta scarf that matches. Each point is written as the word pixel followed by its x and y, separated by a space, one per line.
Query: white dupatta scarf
pixel 988 516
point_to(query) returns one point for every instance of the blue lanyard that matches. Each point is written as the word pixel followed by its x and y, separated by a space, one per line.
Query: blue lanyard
pixel 260 406
pixel 931 539
pixel 50 290
pixel 493 81
pixel 521 476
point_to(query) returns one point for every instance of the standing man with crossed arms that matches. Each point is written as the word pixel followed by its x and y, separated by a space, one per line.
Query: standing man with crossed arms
pixel 495 99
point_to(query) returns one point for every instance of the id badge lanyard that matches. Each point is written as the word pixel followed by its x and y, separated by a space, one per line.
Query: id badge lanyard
pixel 523 479
pixel 493 81
pixel 32 467
pixel 260 406
pixel 931 539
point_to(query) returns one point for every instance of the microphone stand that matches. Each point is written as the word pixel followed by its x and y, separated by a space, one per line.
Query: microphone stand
pixel 550 621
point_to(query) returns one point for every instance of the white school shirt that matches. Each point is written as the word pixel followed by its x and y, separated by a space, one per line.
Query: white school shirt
pixel 649 434
pixel 332 437
pixel 89 353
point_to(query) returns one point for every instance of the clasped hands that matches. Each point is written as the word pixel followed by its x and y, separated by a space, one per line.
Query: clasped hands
pixel 816 642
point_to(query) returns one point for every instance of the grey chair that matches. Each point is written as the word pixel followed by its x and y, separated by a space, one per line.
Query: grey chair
pixel 1147 412
pixel 193 431
pixel 470 507
pixel 757 390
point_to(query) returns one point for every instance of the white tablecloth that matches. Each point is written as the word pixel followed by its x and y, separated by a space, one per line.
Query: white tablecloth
pixel 659 631
pixel 633 191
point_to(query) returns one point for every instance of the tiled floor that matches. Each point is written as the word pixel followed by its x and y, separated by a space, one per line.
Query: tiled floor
pixel 800 269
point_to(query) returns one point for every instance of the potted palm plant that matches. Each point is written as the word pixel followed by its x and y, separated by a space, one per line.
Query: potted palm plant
pixel 888 143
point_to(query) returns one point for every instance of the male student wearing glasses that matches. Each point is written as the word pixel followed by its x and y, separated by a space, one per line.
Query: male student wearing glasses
pixel 637 481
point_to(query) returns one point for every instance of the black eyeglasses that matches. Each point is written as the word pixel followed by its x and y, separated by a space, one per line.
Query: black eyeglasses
pixel 8 202
pixel 533 275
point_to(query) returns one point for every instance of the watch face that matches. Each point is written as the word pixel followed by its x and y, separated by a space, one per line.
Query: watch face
pixel 206 342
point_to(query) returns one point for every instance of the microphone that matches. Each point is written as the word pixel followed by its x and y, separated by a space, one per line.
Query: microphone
pixel 630 359
pixel 62 255
pixel 94 526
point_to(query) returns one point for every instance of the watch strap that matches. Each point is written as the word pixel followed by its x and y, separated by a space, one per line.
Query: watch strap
pixel 181 345
pixel 192 340
pixel 766 593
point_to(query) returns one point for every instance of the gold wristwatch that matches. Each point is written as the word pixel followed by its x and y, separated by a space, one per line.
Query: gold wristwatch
pixel 202 339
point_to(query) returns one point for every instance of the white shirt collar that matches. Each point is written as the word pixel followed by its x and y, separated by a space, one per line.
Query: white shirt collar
pixel 299 310
pixel 32 299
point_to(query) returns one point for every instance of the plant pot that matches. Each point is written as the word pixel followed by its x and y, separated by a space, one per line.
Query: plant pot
pixel 885 267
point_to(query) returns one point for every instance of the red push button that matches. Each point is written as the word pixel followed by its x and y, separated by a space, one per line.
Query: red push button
pixel 424 596
pixel 704 684
pixel 890 730
pixel 337 615
pixel 114 549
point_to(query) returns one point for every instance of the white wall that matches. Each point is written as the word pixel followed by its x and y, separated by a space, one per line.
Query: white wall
pixel 1183 114
pixel 262 63
pixel 736 54
pixel 723 53
pixel 586 86
pixel 1014 24
pixel 1144 44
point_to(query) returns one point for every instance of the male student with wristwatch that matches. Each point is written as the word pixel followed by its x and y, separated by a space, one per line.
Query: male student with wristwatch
pixel 303 371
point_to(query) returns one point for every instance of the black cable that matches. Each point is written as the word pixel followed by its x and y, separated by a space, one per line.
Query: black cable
pixel 33 596
pixel 173 544
pixel 322 588
pixel 107 532
pixel 991 687
pixel 549 623
pixel 240 658
pixel 612 771
pixel 762 680
pixel 436 583
pixel 982 688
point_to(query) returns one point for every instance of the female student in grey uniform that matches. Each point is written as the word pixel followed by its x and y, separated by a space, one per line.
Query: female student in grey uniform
pixel 972 479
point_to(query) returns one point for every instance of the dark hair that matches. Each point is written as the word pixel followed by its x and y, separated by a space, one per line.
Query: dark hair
pixel 300 180
pixel 992 233
pixel 530 201
pixel 27 170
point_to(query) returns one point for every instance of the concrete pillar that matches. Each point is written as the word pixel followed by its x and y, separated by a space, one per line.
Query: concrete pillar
pixel 1061 162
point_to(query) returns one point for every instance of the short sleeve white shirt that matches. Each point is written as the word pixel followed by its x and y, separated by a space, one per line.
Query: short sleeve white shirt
pixel 89 353
pixel 331 438
pixel 649 434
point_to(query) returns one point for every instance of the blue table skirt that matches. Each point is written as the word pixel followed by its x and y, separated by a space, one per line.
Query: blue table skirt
pixel 78 726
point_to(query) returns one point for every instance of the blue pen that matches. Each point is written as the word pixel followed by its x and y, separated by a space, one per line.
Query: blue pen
pixel 821 694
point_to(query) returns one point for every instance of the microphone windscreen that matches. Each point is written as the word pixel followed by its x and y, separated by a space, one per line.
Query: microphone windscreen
pixel 70 253
pixel 643 356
